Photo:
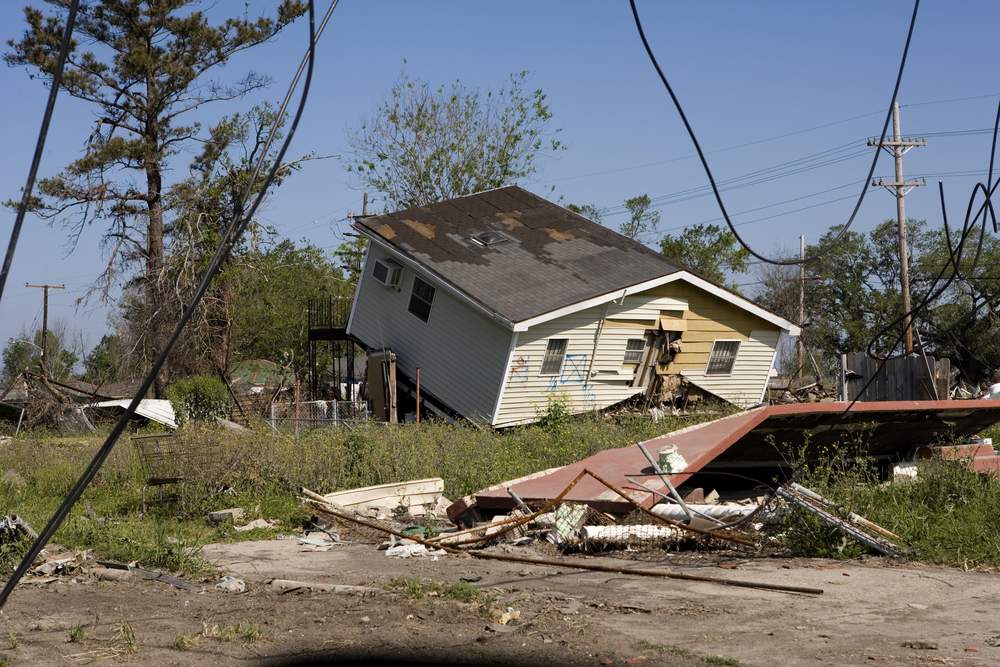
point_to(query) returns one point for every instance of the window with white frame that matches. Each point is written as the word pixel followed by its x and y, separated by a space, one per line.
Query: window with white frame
pixel 633 350
pixel 421 299
pixel 555 352
pixel 723 356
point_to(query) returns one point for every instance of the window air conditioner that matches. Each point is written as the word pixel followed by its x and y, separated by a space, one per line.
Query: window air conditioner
pixel 387 272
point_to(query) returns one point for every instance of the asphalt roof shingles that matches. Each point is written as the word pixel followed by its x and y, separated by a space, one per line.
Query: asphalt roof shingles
pixel 554 257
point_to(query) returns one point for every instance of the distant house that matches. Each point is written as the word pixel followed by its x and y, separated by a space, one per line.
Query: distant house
pixel 504 299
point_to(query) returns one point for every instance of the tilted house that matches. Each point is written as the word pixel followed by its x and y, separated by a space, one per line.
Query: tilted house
pixel 504 299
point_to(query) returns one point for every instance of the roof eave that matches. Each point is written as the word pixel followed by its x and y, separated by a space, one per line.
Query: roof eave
pixel 710 287
pixel 417 265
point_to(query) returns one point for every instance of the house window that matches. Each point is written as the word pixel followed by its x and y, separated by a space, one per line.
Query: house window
pixel 555 352
pixel 421 299
pixel 723 356
pixel 633 350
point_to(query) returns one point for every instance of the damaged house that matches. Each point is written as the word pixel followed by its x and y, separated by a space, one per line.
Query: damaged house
pixel 504 300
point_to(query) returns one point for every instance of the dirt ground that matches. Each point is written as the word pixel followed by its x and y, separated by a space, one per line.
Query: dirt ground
pixel 872 612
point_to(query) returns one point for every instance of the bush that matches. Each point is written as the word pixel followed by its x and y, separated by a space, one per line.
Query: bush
pixel 199 398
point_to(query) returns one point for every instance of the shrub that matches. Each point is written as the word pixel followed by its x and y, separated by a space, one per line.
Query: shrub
pixel 199 398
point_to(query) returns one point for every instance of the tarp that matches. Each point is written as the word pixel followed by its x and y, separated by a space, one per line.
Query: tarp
pixel 155 409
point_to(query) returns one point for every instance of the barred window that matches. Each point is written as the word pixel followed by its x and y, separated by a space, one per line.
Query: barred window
pixel 633 350
pixel 421 299
pixel 723 356
pixel 555 352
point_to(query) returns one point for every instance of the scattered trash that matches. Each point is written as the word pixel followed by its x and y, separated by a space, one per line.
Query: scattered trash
pixel 14 528
pixel 256 524
pixel 290 585
pixel 231 585
pixel 920 645
pixel 317 541
pixel 411 549
pixel 225 516
pixel 509 616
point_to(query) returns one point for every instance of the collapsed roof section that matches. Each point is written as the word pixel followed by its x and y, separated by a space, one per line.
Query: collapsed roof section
pixel 747 440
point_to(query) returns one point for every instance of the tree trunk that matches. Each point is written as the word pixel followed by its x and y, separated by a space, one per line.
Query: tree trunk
pixel 154 268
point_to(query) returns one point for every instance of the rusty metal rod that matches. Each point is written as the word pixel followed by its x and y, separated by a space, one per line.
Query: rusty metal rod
pixel 593 567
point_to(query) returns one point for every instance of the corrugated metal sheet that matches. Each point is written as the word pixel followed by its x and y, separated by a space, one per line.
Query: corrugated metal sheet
pixel 889 429
pixel 156 409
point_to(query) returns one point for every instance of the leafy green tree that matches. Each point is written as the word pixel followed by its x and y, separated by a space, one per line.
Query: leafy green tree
pixel 145 67
pixel 425 144
pixel 641 219
pixel 590 211
pixel 99 364
pixel 709 251
pixel 25 354
pixel 270 302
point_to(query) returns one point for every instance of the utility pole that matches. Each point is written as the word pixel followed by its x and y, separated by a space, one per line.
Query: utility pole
pixel 898 147
pixel 802 299
pixel 45 318
pixel 364 205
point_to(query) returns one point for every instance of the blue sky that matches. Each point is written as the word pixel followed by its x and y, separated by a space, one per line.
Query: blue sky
pixel 745 72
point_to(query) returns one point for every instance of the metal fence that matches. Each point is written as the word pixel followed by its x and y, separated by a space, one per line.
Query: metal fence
pixel 912 378
pixel 316 414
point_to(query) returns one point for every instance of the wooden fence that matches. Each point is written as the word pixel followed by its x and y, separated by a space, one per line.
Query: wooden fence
pixel 912 378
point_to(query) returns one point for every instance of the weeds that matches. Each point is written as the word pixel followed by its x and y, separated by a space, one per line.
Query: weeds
pixel 185 642
pixel 417 589
pixel 264 470
pixel 946 515
pixel 250 633
pixel 124 638
pixel 76 634
pixel 11 641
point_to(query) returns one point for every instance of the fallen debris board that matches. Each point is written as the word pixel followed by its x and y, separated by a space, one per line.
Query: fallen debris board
pixel 744 440
pixel 155 409
pixel 413 494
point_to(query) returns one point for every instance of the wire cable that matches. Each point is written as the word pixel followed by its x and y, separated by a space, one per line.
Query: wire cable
pixel 64 48
pixel 240 222
pixel 708 170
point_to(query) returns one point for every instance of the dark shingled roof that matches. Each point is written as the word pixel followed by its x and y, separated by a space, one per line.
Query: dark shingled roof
pixel 553 257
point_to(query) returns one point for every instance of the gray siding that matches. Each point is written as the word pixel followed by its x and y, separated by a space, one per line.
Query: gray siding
pixel 462 354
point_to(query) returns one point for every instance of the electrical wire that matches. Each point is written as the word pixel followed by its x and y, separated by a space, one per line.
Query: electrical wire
pixel 64 48
pixel 236 228
pixel 708 171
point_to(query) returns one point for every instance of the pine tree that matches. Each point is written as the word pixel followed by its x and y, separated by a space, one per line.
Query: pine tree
pixel 144 66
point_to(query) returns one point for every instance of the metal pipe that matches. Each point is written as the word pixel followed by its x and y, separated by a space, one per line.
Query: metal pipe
pixel 659 473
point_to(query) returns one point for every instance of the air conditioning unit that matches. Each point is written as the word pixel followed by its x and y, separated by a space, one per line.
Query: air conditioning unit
pixel 387 272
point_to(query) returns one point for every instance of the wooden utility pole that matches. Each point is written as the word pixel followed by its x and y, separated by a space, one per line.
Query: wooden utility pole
pixel 802 301
pixel 45 319
pixel 364 205
pixel 898 147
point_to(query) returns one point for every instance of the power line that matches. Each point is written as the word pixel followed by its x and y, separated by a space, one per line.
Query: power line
pixel 708 169
pixel 43 132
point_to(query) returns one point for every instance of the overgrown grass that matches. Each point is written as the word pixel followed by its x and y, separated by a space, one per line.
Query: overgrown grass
pixel 947 515
pixel 262 471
